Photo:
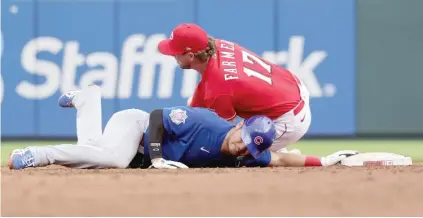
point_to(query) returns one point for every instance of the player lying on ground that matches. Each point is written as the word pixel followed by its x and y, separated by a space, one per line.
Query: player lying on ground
pixel 176 137
pixel 113 148
pixel 238 82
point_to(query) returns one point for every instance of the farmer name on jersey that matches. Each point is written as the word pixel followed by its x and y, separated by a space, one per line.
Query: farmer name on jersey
pixel 227 59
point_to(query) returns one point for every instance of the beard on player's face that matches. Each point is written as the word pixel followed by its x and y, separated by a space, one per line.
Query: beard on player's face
pixel 185 60
pixel 184 66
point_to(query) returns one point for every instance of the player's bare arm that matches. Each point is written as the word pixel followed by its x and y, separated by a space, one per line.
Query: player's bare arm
pixel 297 160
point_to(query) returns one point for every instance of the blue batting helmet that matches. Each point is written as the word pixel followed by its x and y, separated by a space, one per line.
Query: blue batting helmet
pixel 258 133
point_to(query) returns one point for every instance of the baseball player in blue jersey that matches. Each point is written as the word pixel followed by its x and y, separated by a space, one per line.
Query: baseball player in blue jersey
pixel 198 137
pixel 175 137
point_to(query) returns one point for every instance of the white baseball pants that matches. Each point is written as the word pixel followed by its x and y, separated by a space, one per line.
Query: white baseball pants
pixel 113 148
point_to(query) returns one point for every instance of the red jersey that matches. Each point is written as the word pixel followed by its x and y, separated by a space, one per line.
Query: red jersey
pixel 238 82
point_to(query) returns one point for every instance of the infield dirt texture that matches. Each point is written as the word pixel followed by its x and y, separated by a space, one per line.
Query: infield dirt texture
pixel 332 191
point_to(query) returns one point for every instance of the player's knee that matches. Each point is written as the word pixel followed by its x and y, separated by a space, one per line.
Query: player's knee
pixel 133 114
pixel 140 114
pixel 142 117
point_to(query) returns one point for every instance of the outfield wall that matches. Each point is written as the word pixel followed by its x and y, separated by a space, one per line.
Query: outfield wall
pixel 342 50
pixel 389 67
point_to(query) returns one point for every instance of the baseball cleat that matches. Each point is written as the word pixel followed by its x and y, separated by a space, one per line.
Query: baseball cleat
pixel 20 159
pixel 65 100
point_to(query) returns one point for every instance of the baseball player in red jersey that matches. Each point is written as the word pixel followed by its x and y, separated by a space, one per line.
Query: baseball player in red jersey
pixel 238 82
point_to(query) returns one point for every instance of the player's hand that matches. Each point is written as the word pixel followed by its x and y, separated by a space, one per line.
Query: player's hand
pixel 337 157
pixel 160 163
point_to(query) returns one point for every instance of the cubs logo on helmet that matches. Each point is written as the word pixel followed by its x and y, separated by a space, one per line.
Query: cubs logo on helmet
pixel 258 134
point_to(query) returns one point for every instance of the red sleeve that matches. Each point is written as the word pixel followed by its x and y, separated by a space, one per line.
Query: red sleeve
pixel 197 100
pixel 223 106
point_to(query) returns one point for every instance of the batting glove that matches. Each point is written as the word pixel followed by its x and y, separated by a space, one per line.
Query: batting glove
pixel 337 157
pixel 160 163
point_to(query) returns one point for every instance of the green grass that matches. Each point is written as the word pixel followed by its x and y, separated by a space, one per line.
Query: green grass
pixel 412 148
pixel 8 147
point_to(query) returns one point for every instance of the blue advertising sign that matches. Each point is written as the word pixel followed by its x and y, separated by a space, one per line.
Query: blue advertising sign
pixel 19 109
pixel 316 41
pixel 51 47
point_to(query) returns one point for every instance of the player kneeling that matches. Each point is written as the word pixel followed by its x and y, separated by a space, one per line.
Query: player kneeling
pixel 177 137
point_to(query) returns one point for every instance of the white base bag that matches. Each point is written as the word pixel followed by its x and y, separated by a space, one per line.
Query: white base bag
pixel 377 159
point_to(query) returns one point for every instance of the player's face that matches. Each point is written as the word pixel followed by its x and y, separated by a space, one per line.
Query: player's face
pixel 236 145
pixel 185 60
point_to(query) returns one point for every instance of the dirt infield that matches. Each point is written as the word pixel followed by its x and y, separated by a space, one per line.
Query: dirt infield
pixel 333 191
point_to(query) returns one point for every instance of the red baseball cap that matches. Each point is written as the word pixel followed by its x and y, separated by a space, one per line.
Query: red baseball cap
pixel 185 37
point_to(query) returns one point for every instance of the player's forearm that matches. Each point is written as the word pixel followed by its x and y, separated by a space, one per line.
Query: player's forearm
pixel 293 160
pixel 156 134
pixel 287 160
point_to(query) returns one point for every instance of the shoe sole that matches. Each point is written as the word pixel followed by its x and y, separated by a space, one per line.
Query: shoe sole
pixel 10 162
